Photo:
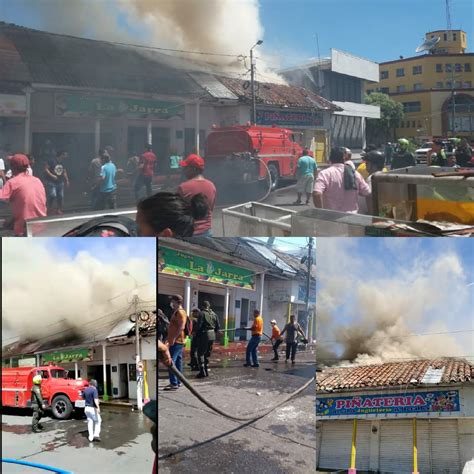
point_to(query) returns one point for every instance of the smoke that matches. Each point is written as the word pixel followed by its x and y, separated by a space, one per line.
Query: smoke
pixel 46 291
pixel 367 315
pixel 217 26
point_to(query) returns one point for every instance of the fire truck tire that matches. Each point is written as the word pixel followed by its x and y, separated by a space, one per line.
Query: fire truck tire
pixel 274 175
pixel 61 407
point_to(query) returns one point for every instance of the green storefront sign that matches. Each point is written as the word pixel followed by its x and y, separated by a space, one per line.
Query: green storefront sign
pixel 175 262
pixel 68 356
pixel 74 105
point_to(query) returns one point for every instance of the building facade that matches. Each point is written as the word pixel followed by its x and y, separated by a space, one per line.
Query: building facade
pixel 415 416
pixel 340 79
pixel 436 88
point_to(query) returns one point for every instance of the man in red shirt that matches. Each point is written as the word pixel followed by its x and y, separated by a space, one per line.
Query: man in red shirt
pixel 26 194
pixel 193 167
pixel 146 167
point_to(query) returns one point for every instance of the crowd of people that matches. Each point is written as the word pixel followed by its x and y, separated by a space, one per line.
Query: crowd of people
pixel 203 327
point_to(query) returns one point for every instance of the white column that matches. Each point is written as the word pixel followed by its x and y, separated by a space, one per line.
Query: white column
pixel 226 308
pixel 104 368
pixel 76 371
pixel 262 287
pixel 187 296
pixel 37 361
pixel 197 126
pixel 28 121
pixel 149 132
pixel 97 135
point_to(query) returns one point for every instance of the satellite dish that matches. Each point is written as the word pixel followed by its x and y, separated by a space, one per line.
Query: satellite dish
pixel 428 45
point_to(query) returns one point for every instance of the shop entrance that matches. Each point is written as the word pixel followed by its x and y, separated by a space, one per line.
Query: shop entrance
pixel 137 139
pixel 123 380
pixel 96 372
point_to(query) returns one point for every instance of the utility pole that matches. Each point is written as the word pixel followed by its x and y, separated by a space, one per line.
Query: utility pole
pixel 252 83
pixel 309 263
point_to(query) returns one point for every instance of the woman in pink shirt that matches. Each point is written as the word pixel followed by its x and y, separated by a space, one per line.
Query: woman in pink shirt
pixel 193 167
pixel 26 194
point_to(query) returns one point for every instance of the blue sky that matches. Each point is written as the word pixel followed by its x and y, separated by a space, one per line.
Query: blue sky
pixel 388 287
pixel 374 29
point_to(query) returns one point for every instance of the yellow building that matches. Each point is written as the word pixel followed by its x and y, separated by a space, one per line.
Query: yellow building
pixel 434 87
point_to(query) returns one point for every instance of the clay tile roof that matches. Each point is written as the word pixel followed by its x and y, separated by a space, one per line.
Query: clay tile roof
pixel 278 94
pixel 392 374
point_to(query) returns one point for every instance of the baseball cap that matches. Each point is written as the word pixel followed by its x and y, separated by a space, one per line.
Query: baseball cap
pixel 273 321
pixel 19 160
pixel 193 160
pixel 177 298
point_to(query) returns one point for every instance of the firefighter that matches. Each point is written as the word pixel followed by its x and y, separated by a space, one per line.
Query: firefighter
pixel 403 157
pixel 207 327
pixel 38 404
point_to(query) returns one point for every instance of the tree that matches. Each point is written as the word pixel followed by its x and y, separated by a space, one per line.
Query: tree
pixel 391 113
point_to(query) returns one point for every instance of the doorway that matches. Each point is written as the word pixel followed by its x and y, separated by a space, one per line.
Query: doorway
pixel 217 305
pixel 96 372
pixel 244 319
pixel 123 381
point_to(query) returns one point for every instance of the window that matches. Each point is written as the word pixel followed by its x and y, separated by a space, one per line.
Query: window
pixel 448 67
pixel 458 85
pixel 400 72
pixel 445 36
pixel 401 88
pixel 467 67
pixel 454 36
pixel 402 124
pixel 383 74
pixel 369 91
pixel 411 107
pixel 417 70
pixel 44 374
pixel 467 84
pixel 458 67
pixel 413 124
pixel 419 124
pixel 439 85
pixel 448 84
pixel 439 68
pixel 417 86
pixel 384 90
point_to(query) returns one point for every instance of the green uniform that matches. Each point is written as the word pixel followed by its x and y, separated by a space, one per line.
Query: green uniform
pixel 37 403
pixel 207 326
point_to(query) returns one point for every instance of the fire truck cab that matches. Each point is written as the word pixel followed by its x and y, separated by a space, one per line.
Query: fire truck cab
pixel 61 393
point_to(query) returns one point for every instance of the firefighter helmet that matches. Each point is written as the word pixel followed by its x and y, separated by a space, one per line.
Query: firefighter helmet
pixel 37 379
pixel 403 142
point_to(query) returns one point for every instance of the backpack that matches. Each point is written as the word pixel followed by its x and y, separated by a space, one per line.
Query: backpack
pixel 105 226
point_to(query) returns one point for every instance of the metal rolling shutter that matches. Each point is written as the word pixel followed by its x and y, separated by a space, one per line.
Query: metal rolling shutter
pixel 445 447
pixel 335 445
pixel 395 447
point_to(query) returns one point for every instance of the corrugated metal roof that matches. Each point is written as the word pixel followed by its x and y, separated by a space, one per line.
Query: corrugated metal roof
pixel 393 374
pixel 213 86
pixel 272 257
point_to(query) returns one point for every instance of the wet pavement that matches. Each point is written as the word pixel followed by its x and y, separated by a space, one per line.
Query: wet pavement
pixel 125 445
pixel 194 439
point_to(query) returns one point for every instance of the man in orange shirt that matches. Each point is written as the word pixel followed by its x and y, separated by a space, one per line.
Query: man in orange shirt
pixel 276 338
pixel 176 338
pixel 257 331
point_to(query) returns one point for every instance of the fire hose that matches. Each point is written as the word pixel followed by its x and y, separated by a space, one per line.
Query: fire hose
pixel 250 417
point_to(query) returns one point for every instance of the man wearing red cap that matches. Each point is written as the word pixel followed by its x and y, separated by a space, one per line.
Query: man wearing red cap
pixel 193 167
pixel 25 192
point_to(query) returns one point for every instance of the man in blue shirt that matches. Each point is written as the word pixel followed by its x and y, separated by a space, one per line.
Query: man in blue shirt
pixel 92 410
pixel 305 173
pixel 108 186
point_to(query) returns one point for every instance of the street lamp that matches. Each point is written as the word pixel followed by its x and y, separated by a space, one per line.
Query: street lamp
pixel 252 81
pixel 139 373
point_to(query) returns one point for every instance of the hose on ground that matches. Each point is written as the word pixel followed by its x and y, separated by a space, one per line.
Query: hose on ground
pixel 250 417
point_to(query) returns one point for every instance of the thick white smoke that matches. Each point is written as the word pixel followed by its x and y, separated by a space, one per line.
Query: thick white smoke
pixel 216 26
pixel 364 318
pixel 45 290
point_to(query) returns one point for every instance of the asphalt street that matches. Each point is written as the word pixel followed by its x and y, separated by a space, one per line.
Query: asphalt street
pixel 125 445
pixel 194 439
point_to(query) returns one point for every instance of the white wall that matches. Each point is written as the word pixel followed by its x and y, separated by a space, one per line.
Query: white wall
pixel 466 440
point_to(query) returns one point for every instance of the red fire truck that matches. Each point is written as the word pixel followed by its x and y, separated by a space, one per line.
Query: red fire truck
pixel 61 394
pixel 237 152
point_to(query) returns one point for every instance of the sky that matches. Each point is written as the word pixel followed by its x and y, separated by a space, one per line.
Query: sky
pixel 373 293
pixel 373 29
